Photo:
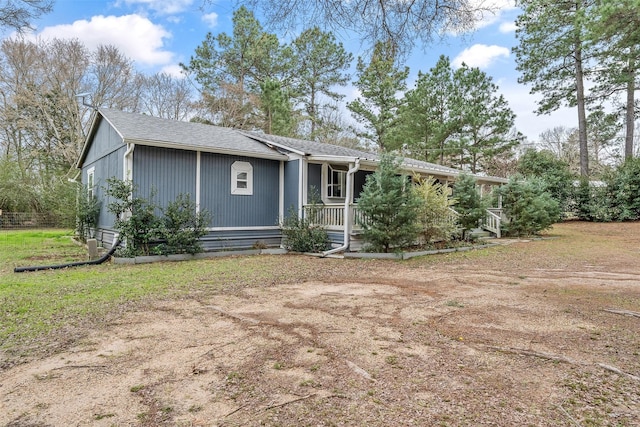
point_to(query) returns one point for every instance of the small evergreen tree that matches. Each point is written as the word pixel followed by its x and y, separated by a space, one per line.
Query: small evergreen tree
pixel 625 189
pixel 528 206
pixel 554 173
pixel 390 208
pixel 469 204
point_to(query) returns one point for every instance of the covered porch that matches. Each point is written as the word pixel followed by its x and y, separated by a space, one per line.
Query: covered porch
pixel 332 186
pixel 332 218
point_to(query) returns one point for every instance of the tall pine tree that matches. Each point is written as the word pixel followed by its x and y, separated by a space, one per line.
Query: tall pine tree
pixel 551 56
pixel 379 82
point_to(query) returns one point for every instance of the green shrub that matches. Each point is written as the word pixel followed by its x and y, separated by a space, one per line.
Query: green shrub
pixel 434 213
pixel 529 208
pixel 390 208
pixel 135 218
pixel 625 190
pixel 554 173
pixel 301 235
pixel 469 204
pixel 594 202
pixel 182 227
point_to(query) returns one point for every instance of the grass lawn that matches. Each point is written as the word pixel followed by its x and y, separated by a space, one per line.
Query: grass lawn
pixel 45 306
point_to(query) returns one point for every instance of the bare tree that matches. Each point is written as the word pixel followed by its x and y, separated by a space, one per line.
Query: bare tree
pixel 400 22
pixel 166 96
pixel 562 142
pixel 115 82
pixel 18 14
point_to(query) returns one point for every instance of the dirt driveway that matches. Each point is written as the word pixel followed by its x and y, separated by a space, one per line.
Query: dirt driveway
pixel 540 333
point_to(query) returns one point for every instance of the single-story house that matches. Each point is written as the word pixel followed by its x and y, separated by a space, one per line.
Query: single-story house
pixel 248 181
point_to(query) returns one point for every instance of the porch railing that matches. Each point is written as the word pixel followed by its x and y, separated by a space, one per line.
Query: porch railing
pixel 492 221
pixel 332 216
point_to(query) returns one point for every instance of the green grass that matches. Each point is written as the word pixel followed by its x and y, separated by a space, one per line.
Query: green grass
pixel 44 307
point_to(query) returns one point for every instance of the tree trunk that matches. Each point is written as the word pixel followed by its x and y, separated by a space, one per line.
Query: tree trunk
pixel 582 115
pixel 630 113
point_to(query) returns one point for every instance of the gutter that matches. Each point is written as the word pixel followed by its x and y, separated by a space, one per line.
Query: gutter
pixel 347 211
pixel 127 154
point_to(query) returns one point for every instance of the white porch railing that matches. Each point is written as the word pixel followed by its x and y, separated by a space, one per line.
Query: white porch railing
pixel 332 216
pixel 492 221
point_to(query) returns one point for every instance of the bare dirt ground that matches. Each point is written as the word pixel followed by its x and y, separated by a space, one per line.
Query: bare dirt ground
pixel 539 333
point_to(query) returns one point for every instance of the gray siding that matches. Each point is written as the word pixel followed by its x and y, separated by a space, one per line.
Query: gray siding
pixel 257 210
pixel 291 178
pixel 105 141
pixel 314 180
pixel 166 171
pixel 110 166
pixel 106 155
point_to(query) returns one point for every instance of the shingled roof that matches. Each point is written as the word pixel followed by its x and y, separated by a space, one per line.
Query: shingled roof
pixel 320 149
pixel 148 130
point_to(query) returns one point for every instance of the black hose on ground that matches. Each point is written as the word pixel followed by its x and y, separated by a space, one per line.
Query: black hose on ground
pixel 71 264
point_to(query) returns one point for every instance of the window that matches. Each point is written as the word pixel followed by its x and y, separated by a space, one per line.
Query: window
pixel 242 178
pixel 337 186
pixel 91 183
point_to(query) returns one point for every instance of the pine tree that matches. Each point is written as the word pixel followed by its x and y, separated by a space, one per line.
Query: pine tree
pixel 552 55
pixel 431 114
pixel 487 120
pixel 390 207
pixel 469 204
pixel 321 64
pixel 379 82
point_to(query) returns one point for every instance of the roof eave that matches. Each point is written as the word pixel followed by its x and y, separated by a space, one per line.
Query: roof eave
pixel 217 150
pixel 85 146
pixel 269 142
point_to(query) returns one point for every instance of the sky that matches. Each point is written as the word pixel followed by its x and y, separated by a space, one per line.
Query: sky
pixel 159 34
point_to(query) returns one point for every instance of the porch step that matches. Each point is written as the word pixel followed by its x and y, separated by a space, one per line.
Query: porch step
pixel 479 233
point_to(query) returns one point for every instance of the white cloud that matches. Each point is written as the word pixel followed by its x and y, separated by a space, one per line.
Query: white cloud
pixel 211 19
pixel 174 70
pixel 490 11
pixel 137 37
pixel 163 7
pixel 480 55
pixel 508 27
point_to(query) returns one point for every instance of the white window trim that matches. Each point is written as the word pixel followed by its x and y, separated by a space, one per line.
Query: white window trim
pixel 91 182
pixel 331 184
pixel 238 168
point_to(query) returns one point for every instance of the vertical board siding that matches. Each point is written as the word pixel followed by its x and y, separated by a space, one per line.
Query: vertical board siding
pixel 314 180
pixel 105 140
pixel 291 178
pixel 228 210
pixel 106 155
pixel 165 171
